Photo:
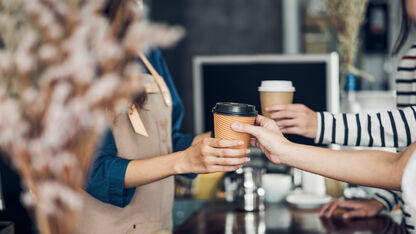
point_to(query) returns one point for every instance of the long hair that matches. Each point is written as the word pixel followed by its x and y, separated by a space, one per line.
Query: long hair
pixel 405 28
pixel 113 10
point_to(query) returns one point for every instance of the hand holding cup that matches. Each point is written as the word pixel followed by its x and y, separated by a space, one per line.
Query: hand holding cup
pixel 226 113
pixel 268 137
pixel 275 92
pixel 295 119
pixel 213 155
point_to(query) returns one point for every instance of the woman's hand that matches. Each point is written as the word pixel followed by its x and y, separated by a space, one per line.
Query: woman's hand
pixel 212 155
pixel 295 119
pixel 355 208
pixel 268 137
pixel 198 138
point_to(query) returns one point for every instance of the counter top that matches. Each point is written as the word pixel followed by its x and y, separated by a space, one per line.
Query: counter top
pixel 221 217
pixel 183 209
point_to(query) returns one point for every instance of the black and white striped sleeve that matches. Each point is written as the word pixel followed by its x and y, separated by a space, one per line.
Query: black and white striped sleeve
pixel 382 129
pixel 388 198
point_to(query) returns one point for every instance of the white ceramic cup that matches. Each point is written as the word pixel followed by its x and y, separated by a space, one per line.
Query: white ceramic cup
pixel 276 187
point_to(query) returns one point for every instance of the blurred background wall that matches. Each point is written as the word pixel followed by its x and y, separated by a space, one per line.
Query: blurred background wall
pixel 224 27
pixel 216 27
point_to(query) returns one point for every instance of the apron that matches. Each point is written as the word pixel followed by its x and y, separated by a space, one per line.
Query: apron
pixel 150 210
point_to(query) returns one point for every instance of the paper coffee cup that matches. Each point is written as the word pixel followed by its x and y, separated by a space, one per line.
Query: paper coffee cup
pixel 275 92
pixel 227 113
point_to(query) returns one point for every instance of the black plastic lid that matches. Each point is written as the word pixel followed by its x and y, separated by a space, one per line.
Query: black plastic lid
pixel 235 109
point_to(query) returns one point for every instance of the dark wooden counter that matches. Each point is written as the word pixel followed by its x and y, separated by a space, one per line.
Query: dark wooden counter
pixel 221 217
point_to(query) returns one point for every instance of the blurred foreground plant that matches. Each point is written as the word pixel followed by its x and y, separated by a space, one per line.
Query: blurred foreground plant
pixel 62 66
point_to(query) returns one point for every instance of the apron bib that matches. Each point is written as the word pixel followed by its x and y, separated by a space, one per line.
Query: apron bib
pixel 150 210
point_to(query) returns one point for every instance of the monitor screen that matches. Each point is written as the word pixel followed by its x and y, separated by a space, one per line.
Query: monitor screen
pixel 236 79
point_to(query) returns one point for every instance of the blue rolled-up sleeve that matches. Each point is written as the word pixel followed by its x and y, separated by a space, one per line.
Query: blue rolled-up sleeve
pixel 107 173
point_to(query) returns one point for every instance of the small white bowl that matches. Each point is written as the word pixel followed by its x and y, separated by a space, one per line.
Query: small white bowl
pixel 276 187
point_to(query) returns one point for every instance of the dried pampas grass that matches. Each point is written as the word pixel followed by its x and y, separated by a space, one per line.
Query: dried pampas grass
pixel 62 67
pixel 346 17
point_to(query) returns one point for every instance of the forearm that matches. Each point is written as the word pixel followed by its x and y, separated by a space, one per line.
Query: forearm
pixel 369 168
pixel 207 156
pixel 145 171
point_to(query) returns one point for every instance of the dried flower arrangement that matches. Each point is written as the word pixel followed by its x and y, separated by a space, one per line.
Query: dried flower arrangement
pixel 346 17
pixel 62 66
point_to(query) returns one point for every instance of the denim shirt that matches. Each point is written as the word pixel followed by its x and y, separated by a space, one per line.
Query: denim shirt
pixel 106 176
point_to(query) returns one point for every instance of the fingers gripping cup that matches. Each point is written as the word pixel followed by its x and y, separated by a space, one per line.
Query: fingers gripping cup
pixel 227 113
pixel 275 92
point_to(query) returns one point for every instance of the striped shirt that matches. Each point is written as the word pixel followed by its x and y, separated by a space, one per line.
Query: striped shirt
pixel 390 128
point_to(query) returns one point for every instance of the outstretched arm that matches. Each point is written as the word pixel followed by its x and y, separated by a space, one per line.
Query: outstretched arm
pixel 113 179
pixel 207 156
pixel 370 168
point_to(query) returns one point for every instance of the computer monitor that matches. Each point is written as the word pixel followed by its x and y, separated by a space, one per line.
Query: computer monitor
pixel 236 79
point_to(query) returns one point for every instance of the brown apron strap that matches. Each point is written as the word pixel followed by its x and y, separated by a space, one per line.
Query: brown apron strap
pixel 137 122
pixel 159 80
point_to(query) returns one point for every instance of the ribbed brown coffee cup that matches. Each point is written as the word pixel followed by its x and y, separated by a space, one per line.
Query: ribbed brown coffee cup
pixel 227 113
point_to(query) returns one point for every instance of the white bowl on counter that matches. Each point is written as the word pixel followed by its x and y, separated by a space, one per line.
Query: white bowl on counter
pixel 276 187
